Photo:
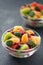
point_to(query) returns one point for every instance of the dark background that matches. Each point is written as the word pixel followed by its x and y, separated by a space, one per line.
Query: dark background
pixel 9 17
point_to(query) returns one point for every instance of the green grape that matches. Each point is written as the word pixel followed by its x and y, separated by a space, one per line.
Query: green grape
pixel 24 47
pixel 31 14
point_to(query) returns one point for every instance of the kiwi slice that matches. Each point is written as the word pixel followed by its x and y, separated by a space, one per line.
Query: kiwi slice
pixel 9 43
pixel 18 34
pixel 31 43
pixel 31 14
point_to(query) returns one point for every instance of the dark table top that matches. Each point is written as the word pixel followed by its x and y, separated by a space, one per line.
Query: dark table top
pixel 9 17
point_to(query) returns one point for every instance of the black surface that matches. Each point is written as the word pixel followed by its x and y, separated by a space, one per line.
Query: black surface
pixel 9 17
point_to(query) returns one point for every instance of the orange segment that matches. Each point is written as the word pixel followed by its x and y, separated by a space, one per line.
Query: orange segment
pixel 30 31
pixel 24 38
pixel 16 40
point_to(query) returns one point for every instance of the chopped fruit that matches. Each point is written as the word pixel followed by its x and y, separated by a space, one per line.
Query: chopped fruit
pixel 16 40
pixel 7 36
pixel 18 34
pixel 14 46
pixel 38 14
pixel 31 43
pixel 13 35
pixel 33 11
pixel 24 39
pixel 9 43
pixel 25 10
pixel 30 32
pixel 22 31
pixel 17 28
pixel 24 47
pixel 31 14
pixel 35 39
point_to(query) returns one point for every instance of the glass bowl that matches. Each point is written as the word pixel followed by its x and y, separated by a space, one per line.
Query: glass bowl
pixel 20 53
pixel 38 22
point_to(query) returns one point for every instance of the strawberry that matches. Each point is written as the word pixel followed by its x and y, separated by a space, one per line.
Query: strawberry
pixel 33 4
pixel 40 6
pixel 14 46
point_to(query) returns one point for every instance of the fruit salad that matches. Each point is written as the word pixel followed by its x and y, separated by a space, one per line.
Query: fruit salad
pixel 20 38
pixel 32 11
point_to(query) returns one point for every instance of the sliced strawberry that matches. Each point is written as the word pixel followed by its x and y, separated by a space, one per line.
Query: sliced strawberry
pixel 33 4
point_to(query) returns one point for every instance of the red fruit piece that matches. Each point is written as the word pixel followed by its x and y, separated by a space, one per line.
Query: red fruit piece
pixel 14 46
pixel 12 32
pixel 30 46
pixel 22 31
pixel 33 4
pixel 40 6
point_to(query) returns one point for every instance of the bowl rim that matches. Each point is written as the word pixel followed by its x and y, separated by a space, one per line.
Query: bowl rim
pixel 41 19
pixel 16 49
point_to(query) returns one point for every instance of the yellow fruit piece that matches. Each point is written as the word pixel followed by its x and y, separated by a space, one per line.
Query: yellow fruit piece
pixel 36 39
pixel 24 39
pixel 16 40
pixel 30 31
pixel 17 28
pixel 38 14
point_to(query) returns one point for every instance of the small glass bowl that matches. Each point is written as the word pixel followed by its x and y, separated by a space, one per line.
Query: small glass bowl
pixel 20 53
pixel 32 22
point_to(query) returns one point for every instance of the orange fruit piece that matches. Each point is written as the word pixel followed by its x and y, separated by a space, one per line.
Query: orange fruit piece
pixel 38 14
pixel 15 40
pixel 24 39
pixel 30 32
pixel 36 39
